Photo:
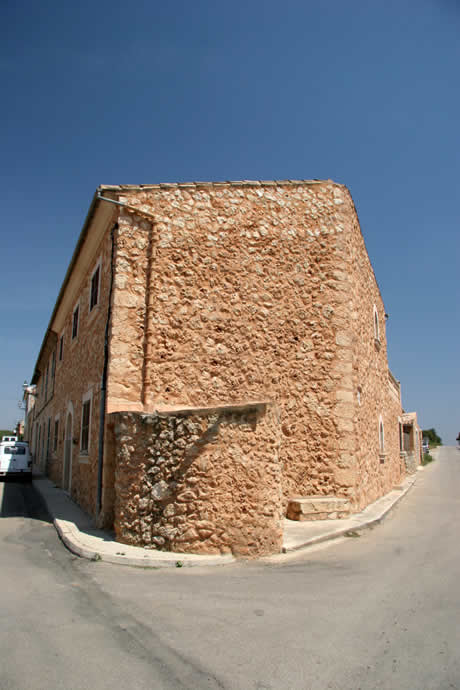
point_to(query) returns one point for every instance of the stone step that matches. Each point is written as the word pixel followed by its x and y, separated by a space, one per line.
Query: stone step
pixel 318 508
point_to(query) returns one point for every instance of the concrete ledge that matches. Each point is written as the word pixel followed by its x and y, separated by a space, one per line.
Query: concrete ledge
pixel 239 408
pixel 310 508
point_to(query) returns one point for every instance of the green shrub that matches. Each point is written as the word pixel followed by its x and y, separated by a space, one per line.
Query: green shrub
pixel 432 436
pixel 426 458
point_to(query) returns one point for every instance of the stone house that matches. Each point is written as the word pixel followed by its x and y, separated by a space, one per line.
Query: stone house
pixel 410 441
pixel 217 359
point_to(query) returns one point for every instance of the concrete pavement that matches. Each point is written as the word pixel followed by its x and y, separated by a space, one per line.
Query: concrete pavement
pixel 82 538
pixel 375 612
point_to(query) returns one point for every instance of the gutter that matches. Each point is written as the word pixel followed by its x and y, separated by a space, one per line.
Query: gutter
pixel 134 209
pixel 102 407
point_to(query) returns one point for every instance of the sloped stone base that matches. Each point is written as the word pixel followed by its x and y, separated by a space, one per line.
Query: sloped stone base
pixel 318 508
pixel 203 480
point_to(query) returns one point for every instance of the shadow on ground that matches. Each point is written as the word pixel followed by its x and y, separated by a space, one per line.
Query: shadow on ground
pixel 20 499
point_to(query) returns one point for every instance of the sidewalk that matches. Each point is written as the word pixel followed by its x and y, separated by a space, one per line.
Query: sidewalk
pixel 298 535
pixel 78 533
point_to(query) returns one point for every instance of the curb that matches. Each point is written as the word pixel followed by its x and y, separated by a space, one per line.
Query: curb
pixel 69 534
pixel 357 523
pixel 80 544
pixel 138 557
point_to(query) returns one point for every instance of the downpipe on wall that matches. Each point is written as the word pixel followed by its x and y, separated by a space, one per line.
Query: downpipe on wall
pixel 102 409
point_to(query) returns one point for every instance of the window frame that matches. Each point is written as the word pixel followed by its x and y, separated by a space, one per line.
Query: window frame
pixel 376 325
pixel 48 439
pixel 97 269
pixel 39 440
pixel 87 399
pixel 75 325
pixel 46 382
pixel 53 365
pixel 56 433
pixel 61 347
pixel 381 439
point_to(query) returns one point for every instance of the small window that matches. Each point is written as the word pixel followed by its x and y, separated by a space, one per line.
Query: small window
pixel 94 294
pixel 61 347
pixel 14 450
pixel 46 382
pixel 376 324
pixel 381 437
pixel 34 437
pixel 85 419
pixel 48 438
pixel 75 322
pixel 56 435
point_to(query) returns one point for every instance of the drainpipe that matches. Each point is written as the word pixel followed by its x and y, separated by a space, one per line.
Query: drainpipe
pixel 102 410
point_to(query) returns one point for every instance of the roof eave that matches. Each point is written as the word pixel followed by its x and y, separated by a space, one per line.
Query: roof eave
pixel 80 242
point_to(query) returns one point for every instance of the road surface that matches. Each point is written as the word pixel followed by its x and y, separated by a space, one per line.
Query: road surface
pixel 381 611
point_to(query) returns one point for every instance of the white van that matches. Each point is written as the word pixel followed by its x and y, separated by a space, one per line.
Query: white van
pixel 15 460
pixel 9 438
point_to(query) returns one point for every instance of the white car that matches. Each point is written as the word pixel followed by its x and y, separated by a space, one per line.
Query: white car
pixel 15 460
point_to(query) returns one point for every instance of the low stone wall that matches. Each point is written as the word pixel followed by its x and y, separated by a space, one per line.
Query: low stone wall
pixel 411 461
pixel 202 480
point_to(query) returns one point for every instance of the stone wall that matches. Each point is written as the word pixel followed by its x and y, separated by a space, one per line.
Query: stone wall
pixel 199 480
pixel 244 299
pixel 129 323
pixel 223 293
pixel 371 394
pixel 411 454
pixel 78 374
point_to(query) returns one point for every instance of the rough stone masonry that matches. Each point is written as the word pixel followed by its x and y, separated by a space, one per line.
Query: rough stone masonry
pixel 223 295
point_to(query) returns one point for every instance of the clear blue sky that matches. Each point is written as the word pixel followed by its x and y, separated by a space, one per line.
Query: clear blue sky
pixel 366 93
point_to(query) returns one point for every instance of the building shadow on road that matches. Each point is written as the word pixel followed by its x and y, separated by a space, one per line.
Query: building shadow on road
pixel 20 499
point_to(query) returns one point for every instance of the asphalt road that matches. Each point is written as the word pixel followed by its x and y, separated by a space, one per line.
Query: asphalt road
pixel 381 611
